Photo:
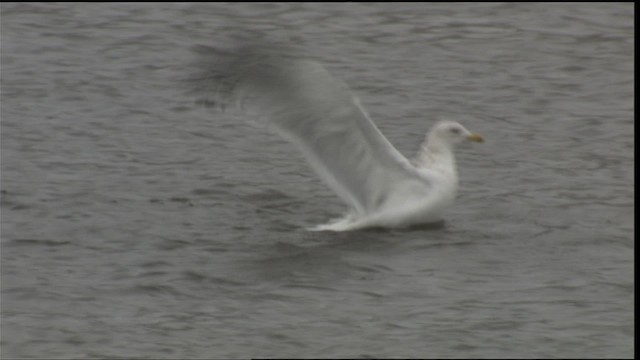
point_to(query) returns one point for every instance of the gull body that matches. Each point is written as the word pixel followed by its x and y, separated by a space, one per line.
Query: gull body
pixel 426 203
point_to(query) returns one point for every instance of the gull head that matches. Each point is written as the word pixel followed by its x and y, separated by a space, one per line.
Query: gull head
pixel 451 133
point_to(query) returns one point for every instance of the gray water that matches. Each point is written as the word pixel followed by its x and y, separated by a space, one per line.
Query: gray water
pixel 138 224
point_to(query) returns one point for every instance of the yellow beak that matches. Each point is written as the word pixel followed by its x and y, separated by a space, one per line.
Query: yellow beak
pixel 475 137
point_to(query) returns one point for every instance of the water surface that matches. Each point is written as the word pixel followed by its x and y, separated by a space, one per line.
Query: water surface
pixel 137 224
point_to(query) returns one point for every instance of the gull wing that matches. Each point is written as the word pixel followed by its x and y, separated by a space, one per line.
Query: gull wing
pixel 317 112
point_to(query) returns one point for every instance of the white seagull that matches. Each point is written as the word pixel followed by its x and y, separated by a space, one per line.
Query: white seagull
pixel 318 113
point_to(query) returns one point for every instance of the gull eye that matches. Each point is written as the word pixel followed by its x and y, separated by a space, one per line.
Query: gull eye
pixel 455 130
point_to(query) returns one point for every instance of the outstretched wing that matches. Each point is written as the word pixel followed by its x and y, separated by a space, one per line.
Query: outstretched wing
pixel 316 111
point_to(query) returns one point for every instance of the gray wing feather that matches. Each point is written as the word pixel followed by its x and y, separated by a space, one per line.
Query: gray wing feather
pixel 314 110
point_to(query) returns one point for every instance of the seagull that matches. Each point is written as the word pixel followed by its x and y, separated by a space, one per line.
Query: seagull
pixel 318 112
